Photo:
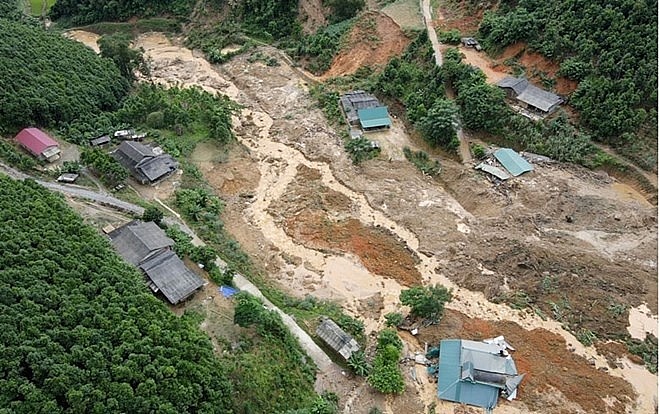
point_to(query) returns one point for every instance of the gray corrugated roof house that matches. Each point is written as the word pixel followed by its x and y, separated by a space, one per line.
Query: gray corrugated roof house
pixel 530 95
pixel 145 245
pixel 170 276
pixel 143 163
pixel 336 338
pixel 137 241
pixel 475 373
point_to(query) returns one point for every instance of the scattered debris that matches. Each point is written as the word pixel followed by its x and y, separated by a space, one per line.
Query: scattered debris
pixel 493 170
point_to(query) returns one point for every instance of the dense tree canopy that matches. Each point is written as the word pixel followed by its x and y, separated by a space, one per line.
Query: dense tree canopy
pixel 47 79
pixel 81 12
pixel 80 332
pixel 610 47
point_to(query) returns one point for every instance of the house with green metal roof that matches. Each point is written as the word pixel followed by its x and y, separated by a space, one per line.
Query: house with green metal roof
pixel 363 110
pixel 476 373
pixel 514 163
pixel 374 118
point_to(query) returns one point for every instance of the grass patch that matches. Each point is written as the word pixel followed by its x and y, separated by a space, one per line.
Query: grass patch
pixel 36 6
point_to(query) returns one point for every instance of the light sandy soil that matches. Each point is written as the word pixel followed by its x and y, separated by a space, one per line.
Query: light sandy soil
pixel 482 240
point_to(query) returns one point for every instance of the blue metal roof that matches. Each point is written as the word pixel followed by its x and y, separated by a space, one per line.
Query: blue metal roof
pixel 456 382
pixel 374 117
pixel 513 162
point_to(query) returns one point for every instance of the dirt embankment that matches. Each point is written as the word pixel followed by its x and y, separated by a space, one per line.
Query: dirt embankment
pixel 375 38
pixel 322 219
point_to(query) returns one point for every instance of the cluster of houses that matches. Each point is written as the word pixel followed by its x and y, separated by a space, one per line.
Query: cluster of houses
pixel 147 165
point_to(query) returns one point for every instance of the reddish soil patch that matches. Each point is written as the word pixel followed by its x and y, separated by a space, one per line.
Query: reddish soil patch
pixel 536 66
pixel 321 219
pixel 375 38
pixel 547 362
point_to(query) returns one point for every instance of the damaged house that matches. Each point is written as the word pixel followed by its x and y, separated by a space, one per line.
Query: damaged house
pixel 477 373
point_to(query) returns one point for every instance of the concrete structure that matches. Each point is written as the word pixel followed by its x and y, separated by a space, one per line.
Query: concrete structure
pixel 39 144
pixel 475 373
pixel 529 96
pixel 514 163
pixel 146 246
pixel 145 165
pixel 336 338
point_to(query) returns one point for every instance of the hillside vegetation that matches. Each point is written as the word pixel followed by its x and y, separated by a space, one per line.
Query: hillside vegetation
pixel 80 12
pixel 80 330
pixel 610 48
pixel 47 79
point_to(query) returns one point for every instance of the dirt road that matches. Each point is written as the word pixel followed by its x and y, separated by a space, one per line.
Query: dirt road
pixel 482 240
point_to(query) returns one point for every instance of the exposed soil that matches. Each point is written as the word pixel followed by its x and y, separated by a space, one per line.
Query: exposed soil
pixel 322 219
pixel 312 15
pixel 405 13
pixel 375 38
pixel 548 364
pixel 484 240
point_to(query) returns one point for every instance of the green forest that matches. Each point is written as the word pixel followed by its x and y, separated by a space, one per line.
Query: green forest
pixel 49 80
pixel 610 48
pixel 80 12
pixel 80 330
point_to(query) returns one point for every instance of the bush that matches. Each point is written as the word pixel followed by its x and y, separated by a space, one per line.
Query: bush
pixel 426 302
pixel 422 161
pixel 478 151
pixel 361 149
pixel 393 319
pixel 389 337
pixel 385 375
pixel 358 364
pixel 155 120
pixel 452 37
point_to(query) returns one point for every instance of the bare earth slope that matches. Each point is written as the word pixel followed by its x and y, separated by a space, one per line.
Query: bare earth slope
pixel 485 241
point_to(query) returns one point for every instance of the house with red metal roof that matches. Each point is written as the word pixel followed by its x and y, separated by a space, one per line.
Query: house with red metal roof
pixel 39 144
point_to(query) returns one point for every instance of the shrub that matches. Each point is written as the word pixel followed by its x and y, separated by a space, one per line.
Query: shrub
pixel 426 302
pixel 393 319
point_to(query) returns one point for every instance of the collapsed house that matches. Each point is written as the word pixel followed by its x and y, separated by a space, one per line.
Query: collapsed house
pixel 476 373
pixel 145 165
pixel 145 245
pixel 363 110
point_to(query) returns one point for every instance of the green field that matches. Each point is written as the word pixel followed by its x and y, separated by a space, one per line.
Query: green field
pixel 35 6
